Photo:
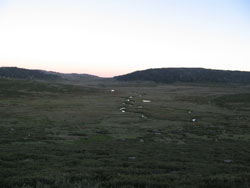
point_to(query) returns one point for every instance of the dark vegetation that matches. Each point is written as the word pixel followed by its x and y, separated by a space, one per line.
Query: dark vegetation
pixel 20 73
pixel 171 75
pixel 65 136
pixel 14 72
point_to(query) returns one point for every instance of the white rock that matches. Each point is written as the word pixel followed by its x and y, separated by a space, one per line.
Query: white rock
pixel 132 158
pixel 157 133
pixel 123 108
pixel 112 90
pixel 194 120
pixel 146 101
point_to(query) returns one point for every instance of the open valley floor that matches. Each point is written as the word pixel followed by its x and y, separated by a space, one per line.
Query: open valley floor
pixel 121 134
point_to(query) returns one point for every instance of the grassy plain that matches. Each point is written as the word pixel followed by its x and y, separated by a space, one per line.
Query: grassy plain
pixel 189 135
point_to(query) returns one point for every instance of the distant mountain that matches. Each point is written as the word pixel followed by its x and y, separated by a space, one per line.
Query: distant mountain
pixel 20 73
pixel 200 75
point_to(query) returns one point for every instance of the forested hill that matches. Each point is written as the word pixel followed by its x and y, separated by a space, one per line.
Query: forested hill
pixel 199 75
pixel 19 73
pixel 28 74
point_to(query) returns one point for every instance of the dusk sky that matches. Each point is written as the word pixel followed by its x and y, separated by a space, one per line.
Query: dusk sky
pixel 112 37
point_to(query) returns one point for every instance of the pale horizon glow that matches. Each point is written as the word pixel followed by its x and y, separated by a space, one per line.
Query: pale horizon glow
pixel 108 38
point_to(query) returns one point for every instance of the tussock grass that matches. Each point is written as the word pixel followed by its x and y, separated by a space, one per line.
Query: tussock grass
pixel 57 135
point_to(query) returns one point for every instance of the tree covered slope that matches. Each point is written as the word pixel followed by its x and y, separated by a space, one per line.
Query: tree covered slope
pixel 170 75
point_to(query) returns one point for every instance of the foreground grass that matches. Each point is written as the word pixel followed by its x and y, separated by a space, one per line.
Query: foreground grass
pixel 55 135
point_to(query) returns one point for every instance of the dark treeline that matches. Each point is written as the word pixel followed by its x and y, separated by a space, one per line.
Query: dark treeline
pixel 19 73
pixel 170 75
pixel 28 74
